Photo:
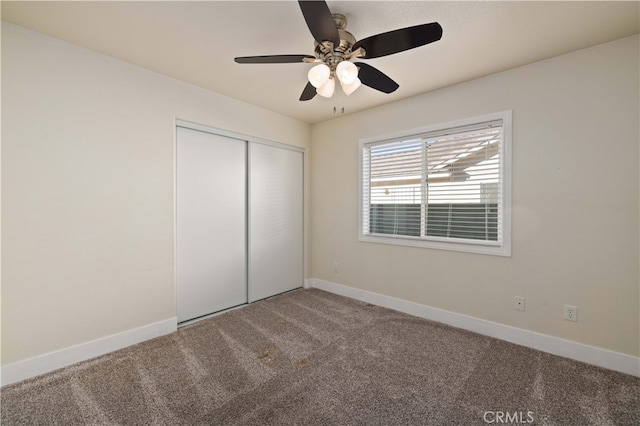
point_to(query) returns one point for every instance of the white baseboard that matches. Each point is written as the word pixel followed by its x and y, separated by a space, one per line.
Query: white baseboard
pixel 580 352
pixel 51 361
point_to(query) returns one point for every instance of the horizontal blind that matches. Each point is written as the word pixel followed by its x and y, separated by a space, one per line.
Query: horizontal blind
pixel 393 175
pixel 464 185
pixel 438 185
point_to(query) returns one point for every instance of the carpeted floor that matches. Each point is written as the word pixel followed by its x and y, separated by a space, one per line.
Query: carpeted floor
pixel 313 358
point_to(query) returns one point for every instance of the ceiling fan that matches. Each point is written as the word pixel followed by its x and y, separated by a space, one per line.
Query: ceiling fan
pixel 335 47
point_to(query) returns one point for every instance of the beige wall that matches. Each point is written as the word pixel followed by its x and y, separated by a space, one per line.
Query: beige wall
pixel 87 189
pixel 575 201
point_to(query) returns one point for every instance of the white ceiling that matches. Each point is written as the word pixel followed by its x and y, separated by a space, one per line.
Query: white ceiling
pixel 197 41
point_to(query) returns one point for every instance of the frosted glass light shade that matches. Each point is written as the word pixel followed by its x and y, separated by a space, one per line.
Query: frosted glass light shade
pixel 319 75
pixel 347 72
pixel 350 88
pixel 327 89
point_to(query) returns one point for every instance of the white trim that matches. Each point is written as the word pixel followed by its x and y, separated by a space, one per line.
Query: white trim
pixel 554 345
pixel 175 216
pixel 467 247
pixel 248 244
pixel 51 361
pixel 439 126
pixel 235 135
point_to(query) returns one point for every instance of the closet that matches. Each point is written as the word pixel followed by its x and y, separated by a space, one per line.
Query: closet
pixel 239 220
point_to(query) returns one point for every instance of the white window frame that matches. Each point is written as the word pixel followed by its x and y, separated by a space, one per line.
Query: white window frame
pixel 502 248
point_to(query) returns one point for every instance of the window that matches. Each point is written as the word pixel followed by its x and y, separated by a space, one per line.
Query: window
pixel 445 187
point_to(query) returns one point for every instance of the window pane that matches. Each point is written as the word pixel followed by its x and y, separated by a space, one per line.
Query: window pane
pixel 395 172
pixel 460 220
pixel 463 185
pixel 396 219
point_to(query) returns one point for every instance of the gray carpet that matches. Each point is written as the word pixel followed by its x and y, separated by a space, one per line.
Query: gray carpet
pixel 313 358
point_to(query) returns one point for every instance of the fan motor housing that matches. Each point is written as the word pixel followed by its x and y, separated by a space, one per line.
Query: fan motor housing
pixel 333 55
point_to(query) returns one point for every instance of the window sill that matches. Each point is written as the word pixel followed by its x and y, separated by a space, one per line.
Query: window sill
pixel 478 248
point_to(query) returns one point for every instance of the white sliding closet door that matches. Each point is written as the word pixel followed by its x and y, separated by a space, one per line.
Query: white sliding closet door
pixel 275 220
pixel 211 223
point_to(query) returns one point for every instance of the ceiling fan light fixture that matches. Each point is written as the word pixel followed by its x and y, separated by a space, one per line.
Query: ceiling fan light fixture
pixel 319 75
pixel 326 90
pixel 350 88
pixel 347 72
pixel 335 47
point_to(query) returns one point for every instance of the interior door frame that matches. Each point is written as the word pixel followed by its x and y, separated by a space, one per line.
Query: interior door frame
pixel 247 139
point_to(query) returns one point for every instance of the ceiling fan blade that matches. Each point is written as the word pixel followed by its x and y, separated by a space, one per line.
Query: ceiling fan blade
pixel 376 79
pixel 320 21
pixel 308 93
pixel 272 59
pixel 399 40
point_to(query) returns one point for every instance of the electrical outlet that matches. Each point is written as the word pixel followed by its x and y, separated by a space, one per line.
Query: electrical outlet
pixel 518 303
pixel 571 313
pixel 335 267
